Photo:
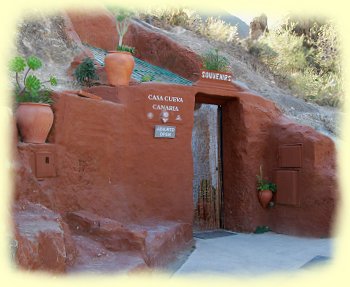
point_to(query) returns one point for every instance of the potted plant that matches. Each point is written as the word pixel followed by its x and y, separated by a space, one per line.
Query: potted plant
pixel 119 64
pixel 215 68
pixel 85 73
pixel 265 189
pixel 33 114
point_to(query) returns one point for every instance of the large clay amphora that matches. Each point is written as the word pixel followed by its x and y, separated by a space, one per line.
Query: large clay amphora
pixel 34 121
pixel 119 66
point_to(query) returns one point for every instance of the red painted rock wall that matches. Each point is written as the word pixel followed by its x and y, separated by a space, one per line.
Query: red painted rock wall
pixel 95 27
pixel 161 51
pixel 245 137
pixel 109 163
pixel 253 131
pixel 43 239
pixel 318 188
pixel 98 28
pixel 246 121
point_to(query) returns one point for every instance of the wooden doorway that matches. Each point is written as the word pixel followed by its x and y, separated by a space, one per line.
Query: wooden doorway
pixel 208 171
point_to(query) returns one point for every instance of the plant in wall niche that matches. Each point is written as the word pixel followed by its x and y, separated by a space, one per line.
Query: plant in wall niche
pixel 85 73
pixel 33 114
pixel 30 88
pixel 215 62
pixel 265 189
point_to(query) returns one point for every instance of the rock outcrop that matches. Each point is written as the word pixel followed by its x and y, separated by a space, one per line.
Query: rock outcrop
pixel 43 239
pixel 258 27
pixel 112 234
pixel 161 51
pixel 95 27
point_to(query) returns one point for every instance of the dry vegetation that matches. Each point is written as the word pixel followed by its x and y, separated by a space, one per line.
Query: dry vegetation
pixel 307 61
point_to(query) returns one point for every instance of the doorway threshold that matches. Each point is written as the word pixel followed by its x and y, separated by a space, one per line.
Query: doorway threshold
pixel 210 234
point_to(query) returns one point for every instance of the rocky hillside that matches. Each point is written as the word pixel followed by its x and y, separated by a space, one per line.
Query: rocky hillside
pixel 255 76
pixel 242 27
pixel 47 37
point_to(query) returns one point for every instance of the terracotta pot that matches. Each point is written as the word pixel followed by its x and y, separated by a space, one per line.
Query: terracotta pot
pixel 265 197
pixel 119 66
pixel 34 121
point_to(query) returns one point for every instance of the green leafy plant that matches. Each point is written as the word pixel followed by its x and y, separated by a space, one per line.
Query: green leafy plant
pixel 305 55
pixel 264 184
pixel 213 61
pixel 123 22
pixel 30 89
pixel 147 78
pixel 85 73
pixel 122 17
pixel 126 49
pixel 262 229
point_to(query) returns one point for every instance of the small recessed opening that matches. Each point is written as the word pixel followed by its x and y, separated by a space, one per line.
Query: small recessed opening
pixel 47 160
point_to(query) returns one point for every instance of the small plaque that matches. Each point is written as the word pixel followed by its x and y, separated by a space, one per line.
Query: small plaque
pixel 164 132
pixel 45 164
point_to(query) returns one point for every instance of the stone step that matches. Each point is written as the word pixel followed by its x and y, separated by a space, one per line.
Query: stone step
pixel 111 233
pixel 157 242
pixel 93 257
pixel 43 240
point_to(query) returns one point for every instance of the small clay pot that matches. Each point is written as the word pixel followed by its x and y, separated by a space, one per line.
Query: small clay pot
pixel 34 121
pixel 119 66
pixel 265 197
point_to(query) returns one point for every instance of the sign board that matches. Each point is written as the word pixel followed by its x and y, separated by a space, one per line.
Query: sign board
pixel 168 109
pixel 164 132
pixel 218 76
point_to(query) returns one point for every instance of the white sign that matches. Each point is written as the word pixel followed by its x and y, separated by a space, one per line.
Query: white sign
pixel 164 132
pixel 216 76
pixel 165 101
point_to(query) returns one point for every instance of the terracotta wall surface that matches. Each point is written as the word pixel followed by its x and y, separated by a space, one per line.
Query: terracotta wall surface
pixel 253 131
pixel 109 163
pixel 245 136
pixel 88 24
pixel 43 239
pixel 317 190
pixel 246 120
pixel 162 51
